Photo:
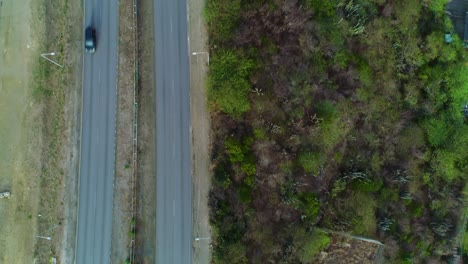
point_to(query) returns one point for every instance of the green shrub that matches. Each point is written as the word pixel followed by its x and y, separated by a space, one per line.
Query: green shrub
pixel 221 176
pixel 415 209
pixel 465 242
pixel 270 47
pixel 313 244
pixel 364 206
pixel 325 110
pixel 407 12
pixel 444 164
pixel 330 134
pixel 223 17
pixel 424 249
pixel 311 161
pixel 260 134
pixel 434 45
pixel 341 59
pixel 235 253
pixel 228 83
pixel 222 210
pixel 411 136
pixel 458 85
pixel 240 153
pixel 309 204
pixel 236 153
pixel 249 168
pixel 286 167
pixel 338 187
pixel 245 193
pixel 437 131
pixel 367 186
pixel 437 6
pixel 322 8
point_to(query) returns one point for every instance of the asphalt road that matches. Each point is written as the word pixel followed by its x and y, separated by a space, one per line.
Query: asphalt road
pixel 93 245
pixel 173 160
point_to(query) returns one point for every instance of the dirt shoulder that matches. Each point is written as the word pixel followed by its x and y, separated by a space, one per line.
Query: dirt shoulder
pixel 200 122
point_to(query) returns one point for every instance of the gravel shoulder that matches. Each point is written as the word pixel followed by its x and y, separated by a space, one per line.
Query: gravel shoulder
pixel 200 122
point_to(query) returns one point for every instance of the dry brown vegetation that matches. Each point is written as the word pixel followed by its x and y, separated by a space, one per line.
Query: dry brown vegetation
pixel 330 114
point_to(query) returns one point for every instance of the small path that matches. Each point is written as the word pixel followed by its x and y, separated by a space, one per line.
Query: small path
pixel 199 59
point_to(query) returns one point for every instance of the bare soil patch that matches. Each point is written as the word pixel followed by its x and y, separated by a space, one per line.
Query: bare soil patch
pixel 345 250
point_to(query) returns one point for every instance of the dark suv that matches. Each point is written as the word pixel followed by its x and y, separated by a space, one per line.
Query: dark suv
pixel 90 39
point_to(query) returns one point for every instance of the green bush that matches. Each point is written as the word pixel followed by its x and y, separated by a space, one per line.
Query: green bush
pixel 235 151
pixel 437 6
pixel 367 186
pixel 325 110
pixel 363 205
pixel 228 83
pixel 221 176
pixel 311 161
pixel 260 134
pixel 222 210
pixel 235 253
pixel 444 164
pixel 338 187
pixel 240 153
pixel 286 167
pixel 250 170
pixel 415 209
pixel 313 244
pixel 437 131
pixel 330 134
pixel 434 45
pixel 322 8
pixel 411 136
pixel 341 59
pixel 465 242
pixel 309 204
pixel 245 193
pixel 223 17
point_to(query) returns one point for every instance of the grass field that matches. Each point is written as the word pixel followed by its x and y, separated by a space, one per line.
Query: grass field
pixel 20 134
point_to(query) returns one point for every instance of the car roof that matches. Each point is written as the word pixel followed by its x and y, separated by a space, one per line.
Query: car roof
pixel 89 31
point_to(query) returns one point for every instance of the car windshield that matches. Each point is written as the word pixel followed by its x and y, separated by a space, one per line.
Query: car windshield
pixel 89 43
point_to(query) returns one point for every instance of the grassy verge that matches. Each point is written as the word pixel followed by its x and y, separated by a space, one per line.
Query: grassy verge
pixel 53 87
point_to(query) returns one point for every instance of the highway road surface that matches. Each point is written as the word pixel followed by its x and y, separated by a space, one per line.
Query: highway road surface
pixel 97 136
pixel 173 159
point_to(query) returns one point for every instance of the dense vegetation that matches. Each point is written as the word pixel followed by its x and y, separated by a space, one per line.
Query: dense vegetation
pixel 342 115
